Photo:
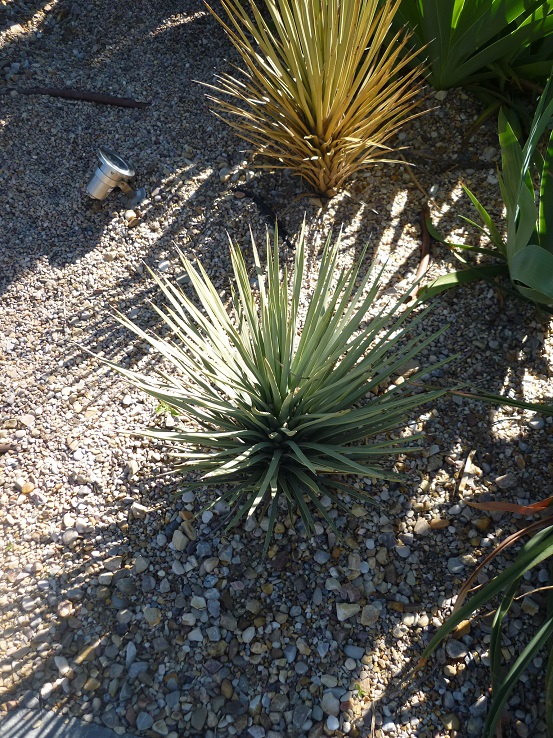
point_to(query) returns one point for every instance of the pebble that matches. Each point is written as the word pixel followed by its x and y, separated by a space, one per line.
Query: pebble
pixel 300 716
pixel 148 583
pixel 332 723
pixel 113 564
pixel 138 511
pixel 369 615
pixel 198 603
pixel 141 564
pixel 354 652
pixel 530 606
pixel 199 716
pixel 317 598
pixel 506 481
pixel 62 665
pixel 130 654
pixel 28 604
pixel 69 537
pixel 279 703
pixel 451 721
pixel 330 705
pixel 248 634
pixel 160 727
pixel 480 707
pixel 422 527
pixel 521 729
pixel 474 726
pixel 144 721
pixel 456 649
pixel 152 616
pixel 345 610
pixel 211 564
pixel 455 565
pixel 137 668
pixel 536 423
pixel 257 731
pixel 179 541
pixel 322 557
pixel 177 568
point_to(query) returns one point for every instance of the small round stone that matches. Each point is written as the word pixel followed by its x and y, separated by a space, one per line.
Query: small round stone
pixel 456 649
pixel 332 723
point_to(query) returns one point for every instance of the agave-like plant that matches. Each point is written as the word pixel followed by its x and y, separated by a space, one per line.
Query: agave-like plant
pixel 324 89
pixel 504 587
pixel 527 250
pixel 269 412
pixel 475 42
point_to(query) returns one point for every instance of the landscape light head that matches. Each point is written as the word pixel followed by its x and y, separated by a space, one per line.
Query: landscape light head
pixel 113 172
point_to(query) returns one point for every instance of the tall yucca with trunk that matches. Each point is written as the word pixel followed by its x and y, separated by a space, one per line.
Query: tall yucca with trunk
pixel 323 91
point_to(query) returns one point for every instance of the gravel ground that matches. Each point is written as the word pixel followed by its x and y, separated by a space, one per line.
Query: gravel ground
pixel 121 603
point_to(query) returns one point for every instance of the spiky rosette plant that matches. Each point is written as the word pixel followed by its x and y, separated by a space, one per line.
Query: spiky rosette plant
pixel 272 410
pixel 324 89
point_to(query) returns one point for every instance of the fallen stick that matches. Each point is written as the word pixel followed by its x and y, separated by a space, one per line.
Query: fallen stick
pixel 83 95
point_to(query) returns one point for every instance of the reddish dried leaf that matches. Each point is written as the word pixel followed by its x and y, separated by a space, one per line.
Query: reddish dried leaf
pixel 512 507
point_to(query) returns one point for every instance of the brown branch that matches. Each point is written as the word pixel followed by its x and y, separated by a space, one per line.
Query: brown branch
pixel 534 591
pixel 416 182
pixel 83 95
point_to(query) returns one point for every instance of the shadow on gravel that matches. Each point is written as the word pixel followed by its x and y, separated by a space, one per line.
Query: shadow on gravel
pixel 44 724
pixel 89 618
pixel 19 13
pixel 46 214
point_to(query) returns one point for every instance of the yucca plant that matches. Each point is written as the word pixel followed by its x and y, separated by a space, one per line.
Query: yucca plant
pixel 527 250
pixel 323 92
pixel 481 43
pixel 504 588
pixel 275 408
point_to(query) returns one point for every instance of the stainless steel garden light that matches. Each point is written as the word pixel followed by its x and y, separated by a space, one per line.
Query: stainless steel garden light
pixel 113 172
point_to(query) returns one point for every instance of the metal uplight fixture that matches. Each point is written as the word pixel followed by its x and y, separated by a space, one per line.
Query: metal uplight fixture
pixel 113 172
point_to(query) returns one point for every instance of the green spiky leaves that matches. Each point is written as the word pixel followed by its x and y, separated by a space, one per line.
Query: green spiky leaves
pixel 274 407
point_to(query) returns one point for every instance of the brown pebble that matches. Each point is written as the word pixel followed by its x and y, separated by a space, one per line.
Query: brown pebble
pixel 481 524
pixel 226 689
pixel 438 524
